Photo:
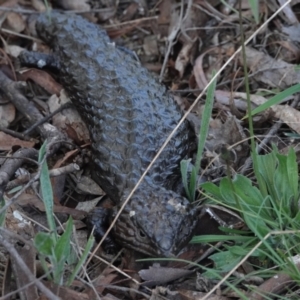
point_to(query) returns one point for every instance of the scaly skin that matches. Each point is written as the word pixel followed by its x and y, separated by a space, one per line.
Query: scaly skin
pixel 129 115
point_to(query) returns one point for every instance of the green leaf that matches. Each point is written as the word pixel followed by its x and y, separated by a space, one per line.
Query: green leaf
pixel 184 167
pixel 293 177
pixel 267 166
pixel 46 190
pixel 225 261
pixel 242 250
pixel 211 188
pixel 82 260
pixel 193 183
pixel 254 4
pixel 44 243
pixel 205 121
pixel 2 216
pixel 276 99
pixel 217 238
pixel 63 245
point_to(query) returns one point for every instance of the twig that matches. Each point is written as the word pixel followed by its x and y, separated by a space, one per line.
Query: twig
pixel 12 164
pixel 14 254
pixel 52 173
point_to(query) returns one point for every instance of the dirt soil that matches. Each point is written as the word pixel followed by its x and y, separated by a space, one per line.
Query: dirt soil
pixel 183 43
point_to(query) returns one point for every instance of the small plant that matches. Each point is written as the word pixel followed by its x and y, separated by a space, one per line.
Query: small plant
pixel 51 247
pixel 273 211
pixel 190 183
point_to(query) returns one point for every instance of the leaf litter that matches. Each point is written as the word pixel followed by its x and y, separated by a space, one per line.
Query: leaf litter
pixel 183 42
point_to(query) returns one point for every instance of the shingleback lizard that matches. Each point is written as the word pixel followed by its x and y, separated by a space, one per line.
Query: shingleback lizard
pixel 129 115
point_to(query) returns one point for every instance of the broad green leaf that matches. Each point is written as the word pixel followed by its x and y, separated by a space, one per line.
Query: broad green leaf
pixel 62 248
pixel 211 188
pixel 225 261
pixel 44 243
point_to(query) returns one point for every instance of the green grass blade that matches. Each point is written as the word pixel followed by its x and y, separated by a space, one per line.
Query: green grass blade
pixel 277 99
pixel 82 260
pixel 184 166
pixel 254 4
pixel 46 190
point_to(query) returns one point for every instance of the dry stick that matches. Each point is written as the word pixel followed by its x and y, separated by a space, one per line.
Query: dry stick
pixel 18 194
pixel 48 117
pixel 29 11
pixel 52 173
pixel 13 293
pixel 177 126
pixel 13 91
pixel 16 134
pixel 13 252
pixel 13 163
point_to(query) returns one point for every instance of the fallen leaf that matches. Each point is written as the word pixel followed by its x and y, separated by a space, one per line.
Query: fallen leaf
pixel 75 5
pixel 15 22
pixel 68 120
pixel 7 142
pixel 7 114
pixel 43 79
pixel 275 73
pixel 160 275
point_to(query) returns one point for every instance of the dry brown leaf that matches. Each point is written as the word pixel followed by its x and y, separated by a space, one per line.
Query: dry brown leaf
pixel 293 32
pixel 164 17
pixel 75 4
pixel 150 45
pixel 28 254
pixel 193 295
pixel 7 114
pixel 105 279
pixel 13 50
pixel 130 11
pixel 158 275
pixel 275 73
pixel 7 142
pixel 43 79
pixel 65 292
pixel 285 113
pixel 68 120
pixel 274 285
pixel 184 57
pixel 26 199
pixel 39 5
pixel 15 22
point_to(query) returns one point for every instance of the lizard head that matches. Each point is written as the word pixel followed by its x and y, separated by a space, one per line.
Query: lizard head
pixel 157 222
pixel 48 26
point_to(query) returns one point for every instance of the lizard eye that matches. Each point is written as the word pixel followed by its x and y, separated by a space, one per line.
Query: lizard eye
pixel 141 234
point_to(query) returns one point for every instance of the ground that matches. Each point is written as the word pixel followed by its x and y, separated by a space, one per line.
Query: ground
pixel 246 243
